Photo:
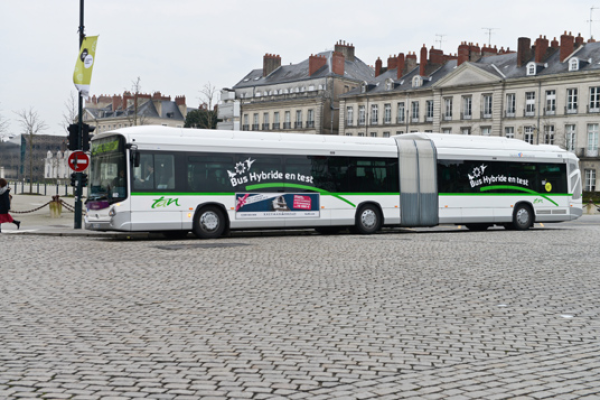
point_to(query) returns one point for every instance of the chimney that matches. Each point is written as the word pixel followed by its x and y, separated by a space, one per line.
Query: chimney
pixel 463 53
pixel 117 102
pixel 400 71
pixel 315 63
pixel 270 63
pixel 523 51
pixel 378 65
pixel 474 52
pixel 180 101
pixel 411 61
pixel 423 63
pixel 554 44
pixel 392 62
pixel 338 63
pixel 489 51
pixel 541 47
pixel 567 45
pixel 579 40
pixel 346 49
pixel 436 56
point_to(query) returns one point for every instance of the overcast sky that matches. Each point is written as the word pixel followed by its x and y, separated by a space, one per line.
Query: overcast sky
pixel 178 46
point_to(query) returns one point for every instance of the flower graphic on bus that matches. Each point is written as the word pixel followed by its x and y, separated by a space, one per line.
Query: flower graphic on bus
pixel 477 172
pixel 241 167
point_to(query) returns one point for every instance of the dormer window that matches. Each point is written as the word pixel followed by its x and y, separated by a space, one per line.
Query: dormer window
pixel 574 64
pixel 389 84
pixel 363 87
pixel 416 82
pixel 531 69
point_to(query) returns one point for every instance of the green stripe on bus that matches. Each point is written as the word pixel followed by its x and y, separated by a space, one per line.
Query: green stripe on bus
pixel 295 186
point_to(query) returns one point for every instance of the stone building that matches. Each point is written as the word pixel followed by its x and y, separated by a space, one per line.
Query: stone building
pixel 545 92
pixel 301 98
pixel 130 109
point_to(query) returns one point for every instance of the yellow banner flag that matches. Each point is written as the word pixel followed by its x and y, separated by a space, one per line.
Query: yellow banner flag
pixel 82 77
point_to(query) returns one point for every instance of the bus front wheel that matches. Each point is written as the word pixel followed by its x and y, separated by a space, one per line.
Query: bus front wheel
pixel 209 223
pixel 522 218
pixel 368 220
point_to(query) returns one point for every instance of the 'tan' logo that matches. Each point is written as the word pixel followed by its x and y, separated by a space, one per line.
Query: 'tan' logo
pixel 162 202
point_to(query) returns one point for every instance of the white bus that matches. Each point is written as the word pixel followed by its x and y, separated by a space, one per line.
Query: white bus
pixel 175 181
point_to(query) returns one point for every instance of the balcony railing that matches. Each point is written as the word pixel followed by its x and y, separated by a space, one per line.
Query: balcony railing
pixel 298 124
pixel 265 127
pixel 530 113
pixel 486 115
pixel 310 124
pixel 510 114
pixel 572 110
pixel 465 116
pixel 276 126
pixel 584 152
pixel 246 127
pixel 447 117
pixel 549 112
pixel 287 125
pixel 593 109
pixel 254 127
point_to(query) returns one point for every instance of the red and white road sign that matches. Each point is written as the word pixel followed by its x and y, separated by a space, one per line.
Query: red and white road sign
pixel 78 161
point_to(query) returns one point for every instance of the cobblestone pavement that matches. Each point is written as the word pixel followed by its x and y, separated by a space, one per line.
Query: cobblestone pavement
pixel 437 315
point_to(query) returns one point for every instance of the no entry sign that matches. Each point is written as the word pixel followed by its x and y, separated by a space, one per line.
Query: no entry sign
pixel 78 161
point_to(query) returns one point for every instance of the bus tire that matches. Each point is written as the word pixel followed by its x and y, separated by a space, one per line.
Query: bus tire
pixel 522 217
pixel 209 223
pixel 368 220
pixel 174 235
pixel 477 227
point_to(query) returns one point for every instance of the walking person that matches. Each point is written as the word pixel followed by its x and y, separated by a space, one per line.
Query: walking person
pixel 5 205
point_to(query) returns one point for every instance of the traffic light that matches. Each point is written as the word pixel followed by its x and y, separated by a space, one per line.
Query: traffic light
pixel 85 140
pixel 74 179
pixel 84 180
pixel 73 136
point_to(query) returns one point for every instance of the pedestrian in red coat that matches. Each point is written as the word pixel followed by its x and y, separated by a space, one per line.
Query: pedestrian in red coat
pixel 5 205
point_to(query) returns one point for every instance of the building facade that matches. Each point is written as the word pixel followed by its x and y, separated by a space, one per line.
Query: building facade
pixel 300 98
pixel 548 92
pixel 131 109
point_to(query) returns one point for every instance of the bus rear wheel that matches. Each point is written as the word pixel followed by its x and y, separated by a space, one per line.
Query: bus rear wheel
pixel 522 218
pixel 368 220
pixel 209 223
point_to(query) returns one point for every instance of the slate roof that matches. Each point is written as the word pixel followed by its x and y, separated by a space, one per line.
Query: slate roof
pixel 504 66
pixel 169 110
pixel 356 70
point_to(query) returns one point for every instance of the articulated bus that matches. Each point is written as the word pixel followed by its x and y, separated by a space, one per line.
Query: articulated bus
pixel 209 182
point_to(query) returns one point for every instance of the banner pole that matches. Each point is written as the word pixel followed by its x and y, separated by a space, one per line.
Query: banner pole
pixel 79 145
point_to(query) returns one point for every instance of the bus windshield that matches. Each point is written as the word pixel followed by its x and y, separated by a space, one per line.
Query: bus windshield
pixel 108 180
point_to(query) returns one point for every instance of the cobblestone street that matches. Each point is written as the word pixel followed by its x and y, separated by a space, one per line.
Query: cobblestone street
pixel 441 314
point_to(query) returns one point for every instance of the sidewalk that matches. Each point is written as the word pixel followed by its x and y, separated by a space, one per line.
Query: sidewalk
pixel 40 222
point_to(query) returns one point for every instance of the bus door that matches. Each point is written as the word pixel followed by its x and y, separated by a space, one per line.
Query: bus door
pixel 419 199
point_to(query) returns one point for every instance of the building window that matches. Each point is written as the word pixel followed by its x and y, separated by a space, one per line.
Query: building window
pixel 373 134
pixel 374 114
pixel 400 115
pixel 349 116
pixel 511 105
pixel 531 69
pixel 361 115
pixel 429 115
pixel 387 114
pixel 415 111
pixel 509 132
pixel 528 134
pixel 298 123
pixel 529 104
pixel 348 133
pixel 287 124
pixel 386 134
pixel 447 130
pixel 550 102
pixel 570 135
pixel 571 101
pixel 310 119
pixel 486 130
pixel 246 125
pixel 590 180
pixel 276 123
pixel 448 108
pixel 548 134
pixel 593 137
pixel 594 99
pixel 487 105
pixel 399 132
pixel 265 125
pixel 361 134
pixel 467 107
pixel 255 122
pixel 465 131
pixel 574 64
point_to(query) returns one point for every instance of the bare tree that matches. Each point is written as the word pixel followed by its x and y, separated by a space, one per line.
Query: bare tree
pixel 32 125
pixel 136 119
pixel 71 110
pixel 207 95
pixel 3 127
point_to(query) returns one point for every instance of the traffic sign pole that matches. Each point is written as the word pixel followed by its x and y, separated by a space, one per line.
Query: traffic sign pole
pixel 78 187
